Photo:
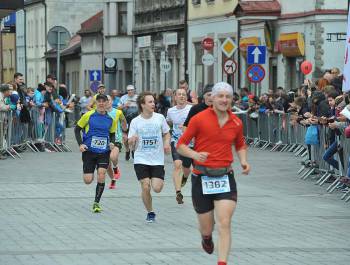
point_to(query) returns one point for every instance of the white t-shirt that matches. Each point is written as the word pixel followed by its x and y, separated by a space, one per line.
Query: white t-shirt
pixel 126 99
pixel 149 148
pixel 177 117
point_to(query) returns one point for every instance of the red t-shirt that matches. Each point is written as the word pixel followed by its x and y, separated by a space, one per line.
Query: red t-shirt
pixel 209 137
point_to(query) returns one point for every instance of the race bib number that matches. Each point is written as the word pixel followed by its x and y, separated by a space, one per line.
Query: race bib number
pixel 215 185
pixel 99 143
pixel 149 143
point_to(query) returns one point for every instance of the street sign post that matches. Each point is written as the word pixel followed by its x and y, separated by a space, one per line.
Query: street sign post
pixel 256 55
pixel 58 37
pixel 229 47
pixel 95 75
pixel 255 73
pixel 230 66
pixel 208 59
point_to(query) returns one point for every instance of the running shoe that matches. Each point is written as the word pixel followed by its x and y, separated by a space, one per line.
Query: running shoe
pixel 208 244
pixel 116 172
pixel 183 181
pixel 127 155
pixel 179 197
pixel 151 217
pixel 96 208
pixel 112 185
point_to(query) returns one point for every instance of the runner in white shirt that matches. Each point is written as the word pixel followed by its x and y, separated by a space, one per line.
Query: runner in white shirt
pixel 176 117
pixel 149 137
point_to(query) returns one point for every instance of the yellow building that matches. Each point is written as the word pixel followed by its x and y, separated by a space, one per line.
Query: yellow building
pixel 210 19
pixel 8 56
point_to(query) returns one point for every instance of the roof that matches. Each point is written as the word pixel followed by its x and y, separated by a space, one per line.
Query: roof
pixel 74 47
pixel 257 8
pixel 92 25
pixel 8 7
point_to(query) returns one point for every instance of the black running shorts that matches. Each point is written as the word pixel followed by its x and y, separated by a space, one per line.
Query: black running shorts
pixel 204 203
pixel 146 171
pixel 92 161
pixel 186 161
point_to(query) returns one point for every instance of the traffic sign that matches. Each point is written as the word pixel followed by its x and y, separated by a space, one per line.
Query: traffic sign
pixel 228 47
pixel 95 75
pixel 165 66
pixel 58 37
pixel 110 65
pixel 208 59
pixel 94 86
pixel 208 43
pixel 230 66
pixel 256 55
pixel 255 73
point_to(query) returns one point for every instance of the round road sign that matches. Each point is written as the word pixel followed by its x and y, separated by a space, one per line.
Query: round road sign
pixel 58 33
pixel 208 59
pixel 208 43
pixel 165 66
pixel 230 66
pixel 255 73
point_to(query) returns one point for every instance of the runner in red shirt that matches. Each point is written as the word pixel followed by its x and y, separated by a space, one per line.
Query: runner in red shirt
pixel 214 131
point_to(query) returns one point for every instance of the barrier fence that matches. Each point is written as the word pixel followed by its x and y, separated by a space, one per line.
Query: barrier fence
pixel 44 131
pixel 276 133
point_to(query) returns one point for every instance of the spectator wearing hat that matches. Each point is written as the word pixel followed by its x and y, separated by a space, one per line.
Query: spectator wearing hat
pixel 5 92
pixel 101 90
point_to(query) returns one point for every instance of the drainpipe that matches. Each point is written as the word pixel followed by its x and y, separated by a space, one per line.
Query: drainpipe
pixel 1 60
pixel 25 44
pixel 186 39
pixel 46 38
pixel 239 54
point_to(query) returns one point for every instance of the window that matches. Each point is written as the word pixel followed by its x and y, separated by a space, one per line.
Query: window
pixel 196 2
pixel 122 18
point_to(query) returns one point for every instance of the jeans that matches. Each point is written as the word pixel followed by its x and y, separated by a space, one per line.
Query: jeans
pixel 328 155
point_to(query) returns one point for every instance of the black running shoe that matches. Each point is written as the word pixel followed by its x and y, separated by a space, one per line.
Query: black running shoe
pixel 127 155
pixel 179 197
pixel 183 181
pixel 208 244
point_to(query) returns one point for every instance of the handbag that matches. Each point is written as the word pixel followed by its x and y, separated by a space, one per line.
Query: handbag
pixel 311 136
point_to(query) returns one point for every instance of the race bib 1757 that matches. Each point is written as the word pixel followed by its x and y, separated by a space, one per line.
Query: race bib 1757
pixel 149 143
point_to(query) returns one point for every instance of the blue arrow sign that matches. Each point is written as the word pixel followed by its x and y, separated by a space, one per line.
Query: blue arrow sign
pixel 256 55
pixel 95 75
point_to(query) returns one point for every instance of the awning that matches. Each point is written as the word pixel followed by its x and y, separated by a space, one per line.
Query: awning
pixel 292 44
pixel 9 6
pixel 245 42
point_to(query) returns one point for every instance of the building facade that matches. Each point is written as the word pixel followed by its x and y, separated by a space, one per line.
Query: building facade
pixel 210 19
pixel 118 43
pixel 40 17
pixel 292 31
pixel 159 44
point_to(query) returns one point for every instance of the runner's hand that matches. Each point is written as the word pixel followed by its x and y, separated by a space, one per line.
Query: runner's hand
pixel 132 141
pixel 246 168
pixel 167 149
pixel 83 148
pixel 111 146
pixel 201 156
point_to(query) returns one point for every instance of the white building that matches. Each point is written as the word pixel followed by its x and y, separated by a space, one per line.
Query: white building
pixel 209 19
pixel 293 31
pixel 42 15
pixel 118 43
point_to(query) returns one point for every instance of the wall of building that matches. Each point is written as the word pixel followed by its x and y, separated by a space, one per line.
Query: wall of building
pixel 73 70
pixel 35 41
pixel 91 58
pixel 70 14
pixel 207 10
pixel 9 56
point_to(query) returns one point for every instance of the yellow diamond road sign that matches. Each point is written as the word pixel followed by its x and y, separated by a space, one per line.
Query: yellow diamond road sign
pixel 228 47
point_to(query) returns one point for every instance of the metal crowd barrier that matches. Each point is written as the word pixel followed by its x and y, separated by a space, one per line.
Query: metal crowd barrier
pixel 46 130
pixel 275 132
